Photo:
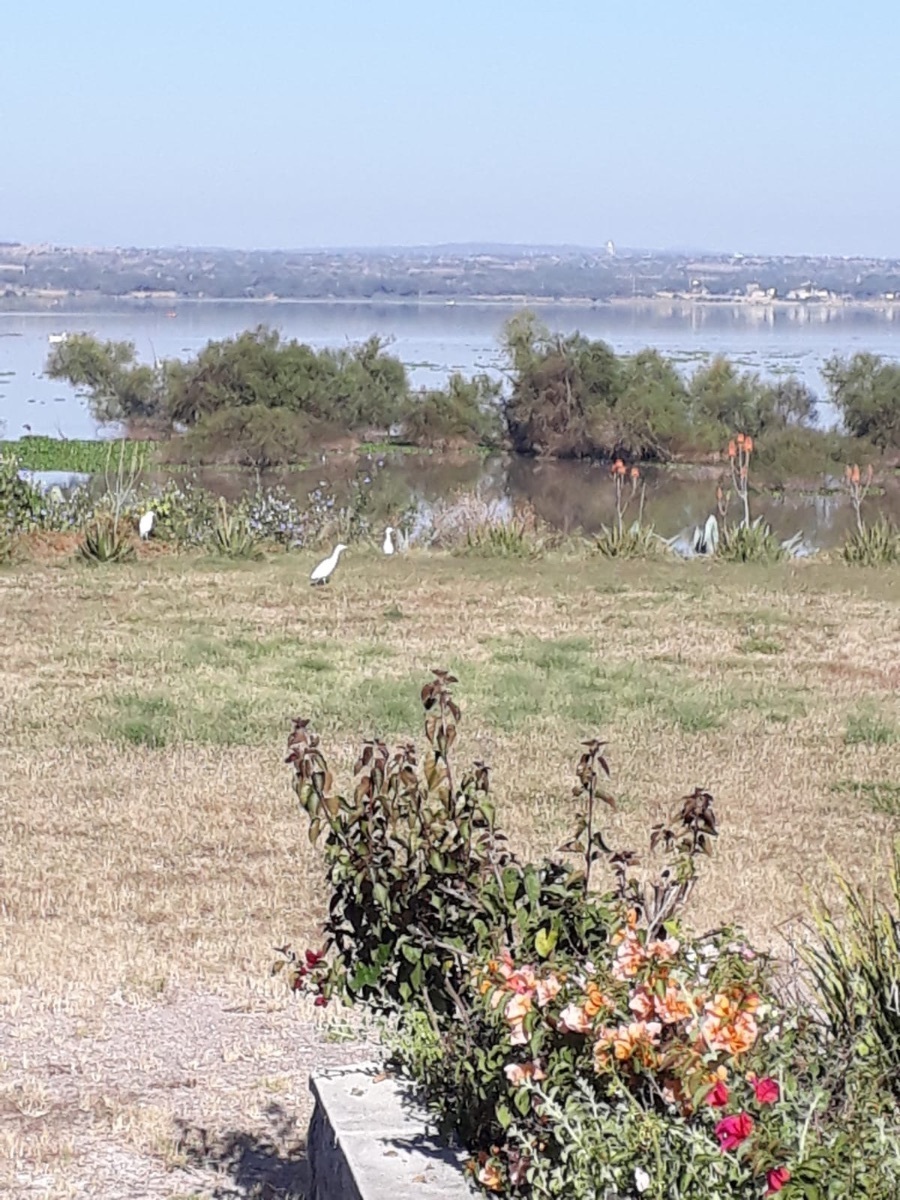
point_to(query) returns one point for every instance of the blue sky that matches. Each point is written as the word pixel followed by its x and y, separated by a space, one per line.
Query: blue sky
pixel 717 124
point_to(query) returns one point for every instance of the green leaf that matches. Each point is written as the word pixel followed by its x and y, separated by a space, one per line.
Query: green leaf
pixel 545 941
pixel 522 1101
pixel 532 885
pixel 504 1116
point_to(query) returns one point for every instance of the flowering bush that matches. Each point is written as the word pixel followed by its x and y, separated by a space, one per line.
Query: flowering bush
pixel 580 1044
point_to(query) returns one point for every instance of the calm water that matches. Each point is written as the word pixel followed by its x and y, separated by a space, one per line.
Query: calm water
pixel 432 340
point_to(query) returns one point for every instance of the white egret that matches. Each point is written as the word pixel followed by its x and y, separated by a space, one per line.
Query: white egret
pixel 146 523
pixel 388 545
pixel 322 573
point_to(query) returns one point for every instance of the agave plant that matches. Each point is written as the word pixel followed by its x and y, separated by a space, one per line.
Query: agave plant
pixel 511 538
pixel 635 541
pixel 232 535
pixel 105 540
pixel 751 543
pixel 873 545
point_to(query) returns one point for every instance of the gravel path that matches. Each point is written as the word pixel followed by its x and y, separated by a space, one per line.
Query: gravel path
pixel 187 1098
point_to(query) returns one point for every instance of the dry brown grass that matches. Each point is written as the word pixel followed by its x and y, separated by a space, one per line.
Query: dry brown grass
pixel 152 854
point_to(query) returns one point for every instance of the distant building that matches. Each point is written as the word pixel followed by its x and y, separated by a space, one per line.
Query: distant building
pixel 611 248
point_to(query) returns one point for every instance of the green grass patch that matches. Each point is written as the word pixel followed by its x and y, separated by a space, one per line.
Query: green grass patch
pixel 760 645
pixel 882 796
pixel 867 727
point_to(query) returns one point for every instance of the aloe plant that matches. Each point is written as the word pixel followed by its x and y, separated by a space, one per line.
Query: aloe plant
pixel 231 535
pixel 105 540
pixel 635 541
pixel 873 545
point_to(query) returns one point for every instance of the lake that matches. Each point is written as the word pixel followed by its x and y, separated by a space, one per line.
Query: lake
pixel 432 339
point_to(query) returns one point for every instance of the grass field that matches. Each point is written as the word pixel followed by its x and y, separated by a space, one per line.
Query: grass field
pixel 152 855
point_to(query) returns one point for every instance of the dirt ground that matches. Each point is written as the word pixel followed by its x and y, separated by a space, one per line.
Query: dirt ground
pixel 152 854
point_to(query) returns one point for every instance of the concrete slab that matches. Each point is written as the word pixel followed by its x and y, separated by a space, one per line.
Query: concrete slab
pixel 369 1139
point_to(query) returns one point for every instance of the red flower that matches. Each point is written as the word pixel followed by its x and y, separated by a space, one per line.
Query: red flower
pixel 776 1179
pixel 731 1131
pixel 718 1097
pixel 314 957
pixel 320 1001
pixel 766 1090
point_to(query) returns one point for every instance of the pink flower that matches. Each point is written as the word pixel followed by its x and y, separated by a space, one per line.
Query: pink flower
pixel 641 1004
pixel 517 1009
pixel 518 1073
pixel 718 1097
pixel 573 1019
pixel 522 981
pixel 663 950
pixel 629 956
pixel 546 990
pixel 732 1131
pixel 776 1179
pixel 766 1090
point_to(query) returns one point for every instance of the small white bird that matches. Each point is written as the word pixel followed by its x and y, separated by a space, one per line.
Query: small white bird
pixel 146 523
pixel 388 545
pixel 322 573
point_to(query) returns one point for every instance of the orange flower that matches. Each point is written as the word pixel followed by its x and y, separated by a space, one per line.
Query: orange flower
pixel 740 439
pixel 630 956
pixel 675 1005
pixel 595 1000
pixel 490 1177
pixel 854 474
pixel 723 1006
pixel 736 1037
pixel 634 1041
pixel 732 450
pixel 635 473
pixel 748 445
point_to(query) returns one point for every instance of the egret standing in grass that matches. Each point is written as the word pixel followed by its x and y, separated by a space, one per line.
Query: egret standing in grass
pixel 322 573
pixel 145 525
pixel 388 546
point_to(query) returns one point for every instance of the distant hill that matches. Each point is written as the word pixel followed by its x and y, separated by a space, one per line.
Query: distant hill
pixel 481 271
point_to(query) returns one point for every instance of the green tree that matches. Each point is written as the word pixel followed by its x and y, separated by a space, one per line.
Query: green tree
pixel 465 412
pixel 117 387
pixel 563 390
pixel 866 392
pixel 651 415
pixel 352 389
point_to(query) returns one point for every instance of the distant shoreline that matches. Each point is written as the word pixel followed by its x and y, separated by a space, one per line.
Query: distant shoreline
pixel 95 303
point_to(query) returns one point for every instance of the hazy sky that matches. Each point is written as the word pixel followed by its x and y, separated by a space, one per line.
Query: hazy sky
pixel 720 124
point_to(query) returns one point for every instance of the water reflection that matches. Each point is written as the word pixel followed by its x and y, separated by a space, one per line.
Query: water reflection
pixel 567 496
